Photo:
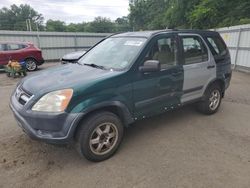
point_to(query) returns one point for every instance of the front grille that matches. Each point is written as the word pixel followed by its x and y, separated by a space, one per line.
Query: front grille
pixel 22 96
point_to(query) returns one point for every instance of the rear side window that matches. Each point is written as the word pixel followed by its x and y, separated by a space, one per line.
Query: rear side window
pixel 16 46
pixel 218 46
pixel 194 49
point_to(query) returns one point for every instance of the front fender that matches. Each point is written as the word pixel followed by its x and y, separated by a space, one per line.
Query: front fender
pixel 122 110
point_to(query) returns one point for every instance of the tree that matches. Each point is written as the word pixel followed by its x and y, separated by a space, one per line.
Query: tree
pixel 138 15
pixel 201 14
pixel 78 27
pixel 14 18
pixel 219 13
pixel 176 15
pixel 55 25
pixel 122 24
pixel 101 25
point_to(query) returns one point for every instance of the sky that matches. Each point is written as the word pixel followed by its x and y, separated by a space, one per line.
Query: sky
pixel 74 11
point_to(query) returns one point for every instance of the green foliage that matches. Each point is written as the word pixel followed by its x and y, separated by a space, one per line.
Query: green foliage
pixel 14 18
pixel 122 24
pixel 147 14
pixel 78 27
pixel 55 25
pixel 206 14
pixel 219 13
pixel 101 25
pixel 144 15
pixel 200 14
pixel 245 21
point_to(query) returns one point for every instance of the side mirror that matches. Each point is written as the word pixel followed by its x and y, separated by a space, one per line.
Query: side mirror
pixel 150 66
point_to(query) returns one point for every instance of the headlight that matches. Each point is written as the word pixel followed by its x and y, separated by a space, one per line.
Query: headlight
pixel 55 101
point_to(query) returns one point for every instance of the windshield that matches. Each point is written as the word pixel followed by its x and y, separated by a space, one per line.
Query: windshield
pixel 114 52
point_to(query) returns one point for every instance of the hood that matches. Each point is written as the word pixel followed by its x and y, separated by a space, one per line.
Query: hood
pixel 73 56
pixel 64 76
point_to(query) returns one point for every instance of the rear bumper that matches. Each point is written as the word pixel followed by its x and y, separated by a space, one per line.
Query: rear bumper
pixel 227 80
pixel 56 128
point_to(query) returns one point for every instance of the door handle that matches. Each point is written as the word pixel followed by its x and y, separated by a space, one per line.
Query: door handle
pixel 210 66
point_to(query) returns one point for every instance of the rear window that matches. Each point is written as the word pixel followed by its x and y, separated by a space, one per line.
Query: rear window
pixel 218 45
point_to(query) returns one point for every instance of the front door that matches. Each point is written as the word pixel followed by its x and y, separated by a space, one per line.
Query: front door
pixel 198 65
pixel 156 92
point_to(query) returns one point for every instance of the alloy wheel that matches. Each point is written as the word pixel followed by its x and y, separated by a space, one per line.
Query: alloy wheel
pixel 31 65
pixel 103 139
pixel 214 99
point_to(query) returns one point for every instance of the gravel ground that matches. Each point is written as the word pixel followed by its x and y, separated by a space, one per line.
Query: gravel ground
pixel 179 149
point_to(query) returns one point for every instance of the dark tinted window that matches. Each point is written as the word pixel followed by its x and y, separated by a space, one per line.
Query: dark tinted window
pixel 164 50
pixel 194 49
pixel 218 45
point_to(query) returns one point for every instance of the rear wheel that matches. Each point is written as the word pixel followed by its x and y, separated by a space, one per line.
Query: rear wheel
pixel 99 136
pixel 31 64
pixel 212 100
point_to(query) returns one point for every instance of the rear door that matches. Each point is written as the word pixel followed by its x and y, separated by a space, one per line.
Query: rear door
pixel 198 65
pixel 221 56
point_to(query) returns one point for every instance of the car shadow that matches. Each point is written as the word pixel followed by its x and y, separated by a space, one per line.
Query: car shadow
pixel 163 121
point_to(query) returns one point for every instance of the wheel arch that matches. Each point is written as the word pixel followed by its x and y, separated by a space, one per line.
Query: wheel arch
pixel 220 82
pixel 115 107
pixel 30 57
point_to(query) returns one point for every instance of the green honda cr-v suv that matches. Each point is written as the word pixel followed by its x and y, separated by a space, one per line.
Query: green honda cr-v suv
pixel 124 78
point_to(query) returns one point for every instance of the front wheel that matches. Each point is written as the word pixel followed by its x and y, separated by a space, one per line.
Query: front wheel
pixel 99 136
pixel 212 100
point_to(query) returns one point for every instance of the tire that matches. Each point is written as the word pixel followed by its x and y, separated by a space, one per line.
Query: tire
pixel 31 64
pixel 95 141
pixel 212 100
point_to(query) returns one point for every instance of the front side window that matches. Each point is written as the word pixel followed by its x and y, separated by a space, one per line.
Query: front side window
pixel 164 50
pixel 2 47
pixel 115 53
pixel 194 50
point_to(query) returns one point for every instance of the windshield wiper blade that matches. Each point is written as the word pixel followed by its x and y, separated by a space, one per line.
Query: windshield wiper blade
pixel 94 65
pixel 77 62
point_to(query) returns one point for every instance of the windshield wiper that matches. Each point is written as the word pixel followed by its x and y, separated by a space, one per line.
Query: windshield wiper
pixel 94 65
pixel 77 62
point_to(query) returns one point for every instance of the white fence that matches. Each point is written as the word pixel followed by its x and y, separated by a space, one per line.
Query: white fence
pixel 54 44
pixel 237 39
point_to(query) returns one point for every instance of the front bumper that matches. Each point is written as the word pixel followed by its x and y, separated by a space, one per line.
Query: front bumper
pixel 40 62
pixel 56 128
